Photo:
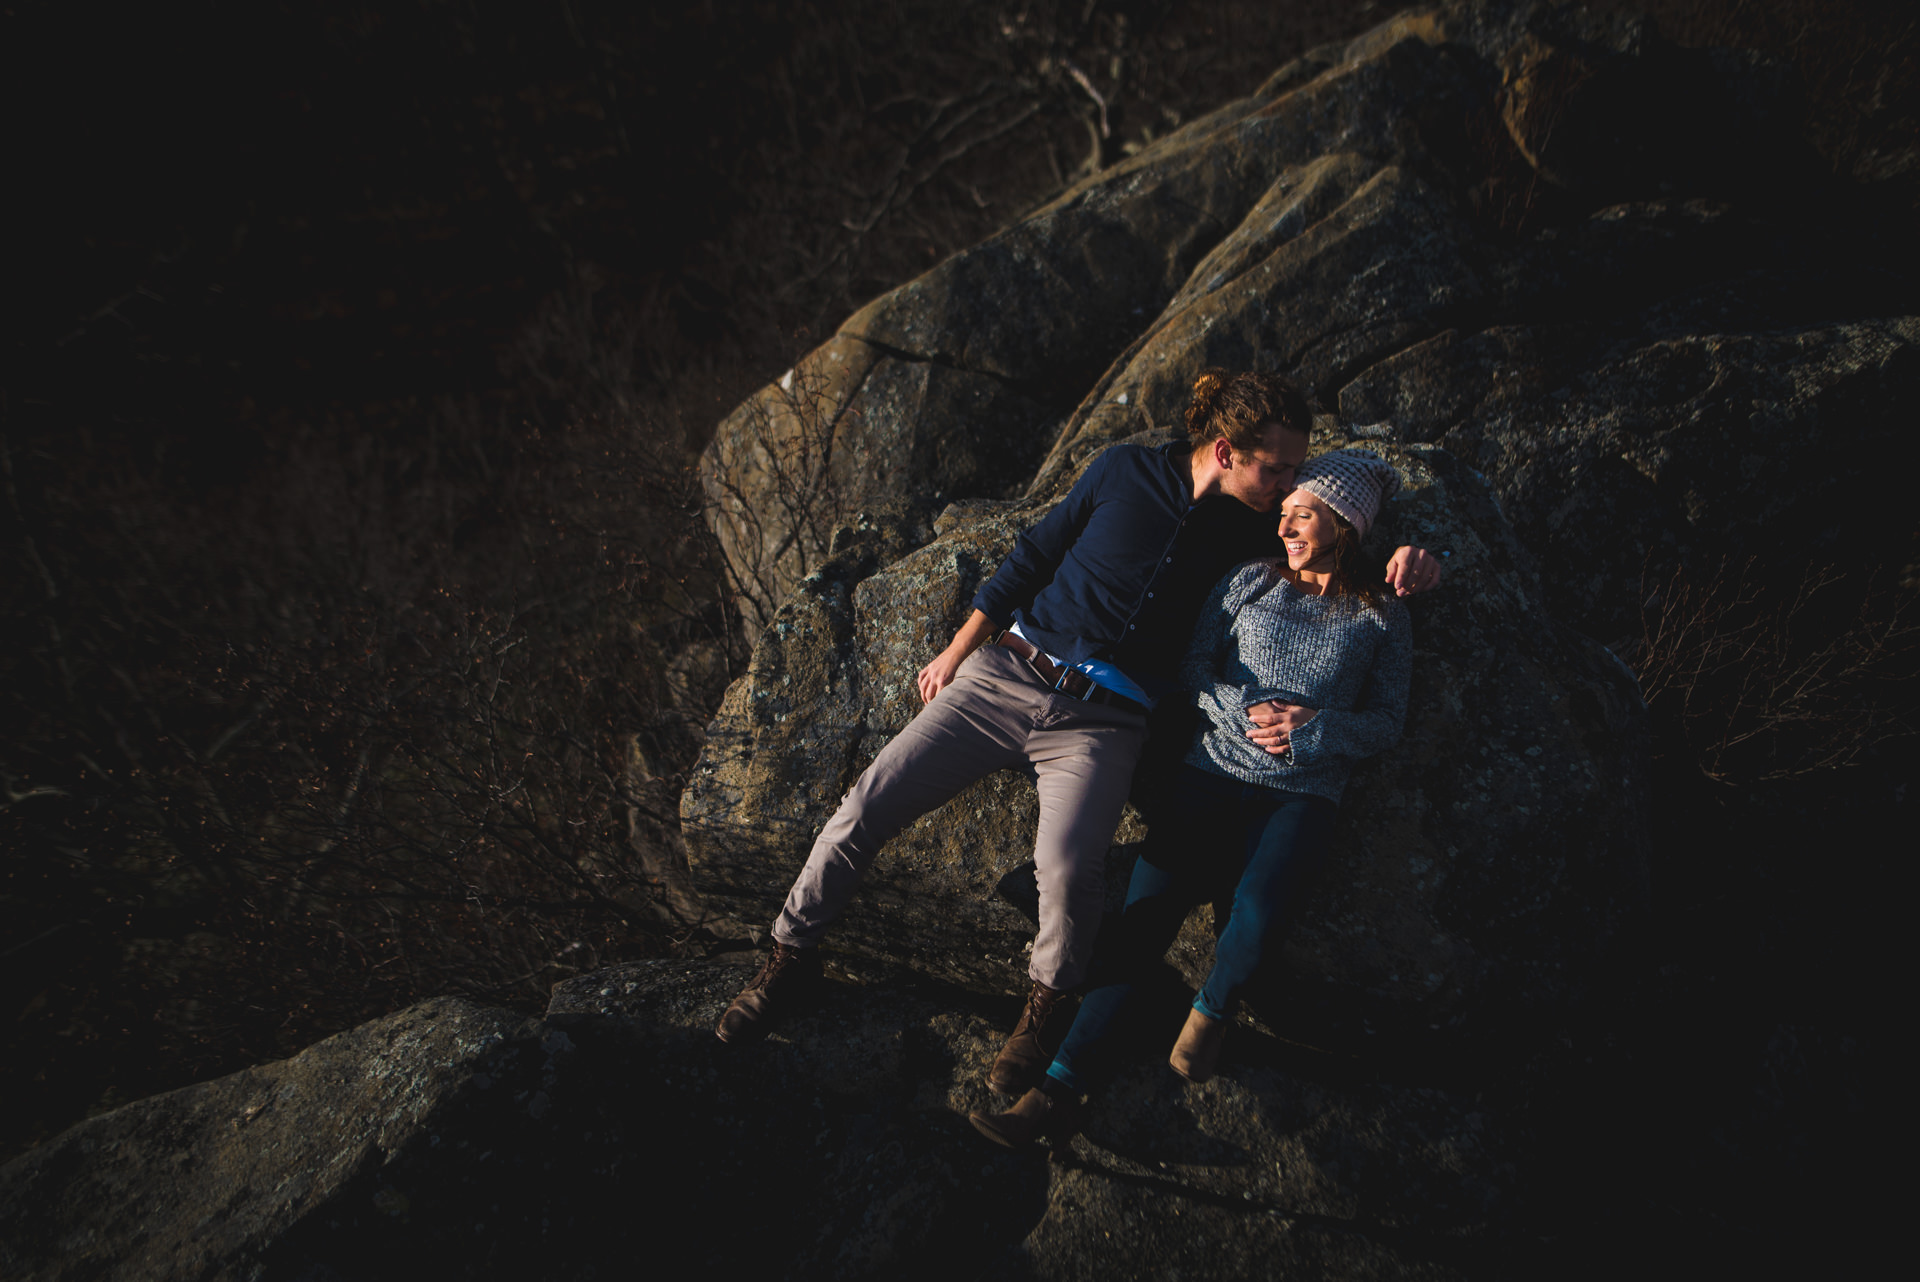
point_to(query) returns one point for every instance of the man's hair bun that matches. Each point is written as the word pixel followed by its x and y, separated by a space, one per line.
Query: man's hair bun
pixel 1240 406
pixel 1206 397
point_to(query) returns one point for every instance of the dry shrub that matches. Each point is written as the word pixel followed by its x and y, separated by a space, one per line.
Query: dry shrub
pixel 380 725
pixel 1858 62
pixel 772 491
pixel 1755 677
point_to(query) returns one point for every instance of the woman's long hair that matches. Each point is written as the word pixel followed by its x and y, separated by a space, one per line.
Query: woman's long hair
pixel 1357 574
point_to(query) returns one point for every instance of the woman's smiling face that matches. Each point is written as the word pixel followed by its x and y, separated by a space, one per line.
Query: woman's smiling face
pixel 1308 528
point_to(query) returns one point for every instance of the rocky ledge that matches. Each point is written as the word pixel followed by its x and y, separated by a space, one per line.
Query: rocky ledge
pixel 618 1135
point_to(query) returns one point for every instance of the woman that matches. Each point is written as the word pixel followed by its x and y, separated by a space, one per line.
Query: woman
pixel 1300 668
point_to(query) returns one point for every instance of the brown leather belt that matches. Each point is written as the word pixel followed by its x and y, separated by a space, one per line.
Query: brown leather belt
pixel 1068 681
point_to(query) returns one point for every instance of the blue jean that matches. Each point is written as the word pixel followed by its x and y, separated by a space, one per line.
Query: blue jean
pixel 1262 846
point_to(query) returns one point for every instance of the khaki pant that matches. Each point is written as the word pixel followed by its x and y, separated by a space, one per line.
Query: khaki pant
pixel 995 714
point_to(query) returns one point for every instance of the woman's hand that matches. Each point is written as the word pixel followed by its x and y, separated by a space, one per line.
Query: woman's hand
pixel 1274 723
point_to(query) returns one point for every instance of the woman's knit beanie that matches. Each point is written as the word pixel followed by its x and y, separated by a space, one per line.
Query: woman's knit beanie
pixel 1353 483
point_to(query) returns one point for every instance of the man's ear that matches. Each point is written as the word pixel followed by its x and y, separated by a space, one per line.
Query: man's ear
pixel 1223 452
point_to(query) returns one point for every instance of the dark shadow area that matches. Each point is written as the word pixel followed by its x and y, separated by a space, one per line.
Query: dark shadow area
pixel 1476 1255
pixel 360 626
pixel 669 1150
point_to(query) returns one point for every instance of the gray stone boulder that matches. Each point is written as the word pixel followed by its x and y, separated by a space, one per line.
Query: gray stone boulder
pixel 830 680
pixel 1785 446
pixel 410 1118
pixel 1484 864
pixel 845 1134
pixel 1492 215
pixel 619 1135
pixel 1626 356
pixel 1385 267
pixel 1321 224
pixel 853 429
pixel 974 365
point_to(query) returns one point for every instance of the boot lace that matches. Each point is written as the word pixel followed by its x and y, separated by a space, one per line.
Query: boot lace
pixel 770 970
pixel 1040 1004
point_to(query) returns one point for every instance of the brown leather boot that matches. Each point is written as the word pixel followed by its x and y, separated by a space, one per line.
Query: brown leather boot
pixel 1024 1059
pixel 787 975
pixel 1198 1049
pixel 1038 1115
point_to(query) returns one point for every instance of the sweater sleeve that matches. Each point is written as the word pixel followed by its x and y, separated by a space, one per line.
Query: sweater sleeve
pixel 1038 551
pixel 1376 724
pixel 1205 663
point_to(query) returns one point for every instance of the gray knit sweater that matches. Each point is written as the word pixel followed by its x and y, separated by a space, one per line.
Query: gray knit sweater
pixel 1260 638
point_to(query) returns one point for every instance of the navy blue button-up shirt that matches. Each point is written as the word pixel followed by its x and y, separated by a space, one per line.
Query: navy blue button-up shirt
pixel 1119 568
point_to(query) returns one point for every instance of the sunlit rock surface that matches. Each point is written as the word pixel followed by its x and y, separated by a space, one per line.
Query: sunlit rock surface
pixel 1483 865
pixel 397 1122
pixel 1629 335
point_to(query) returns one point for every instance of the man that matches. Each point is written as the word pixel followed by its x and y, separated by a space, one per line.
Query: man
pixel 1065 651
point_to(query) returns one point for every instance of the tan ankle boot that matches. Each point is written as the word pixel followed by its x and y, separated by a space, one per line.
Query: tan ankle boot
pixel 1030 1048
pixel 1198 1049
pixel 786 979
pixel 1038 1115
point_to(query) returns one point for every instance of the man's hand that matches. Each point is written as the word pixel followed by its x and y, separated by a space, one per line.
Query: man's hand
pixel 938 675
pixel 1413 570
pixel 1274 723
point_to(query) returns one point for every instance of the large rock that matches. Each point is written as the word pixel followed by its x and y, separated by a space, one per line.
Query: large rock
pixel 1631 351
pixel 1008 336
pixel 1784 446
pixel 1385 267
pixel 850 429
pixel 1564 180
pixel 620 1136
pixel 1366 153
pixel 1483 864
pixel 846 1134
pixel 394 1121
pixel 831 678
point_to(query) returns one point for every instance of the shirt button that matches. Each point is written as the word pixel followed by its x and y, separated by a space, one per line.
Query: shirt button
pixel 1149 596
pixel 1169 560
pixel 1133 627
